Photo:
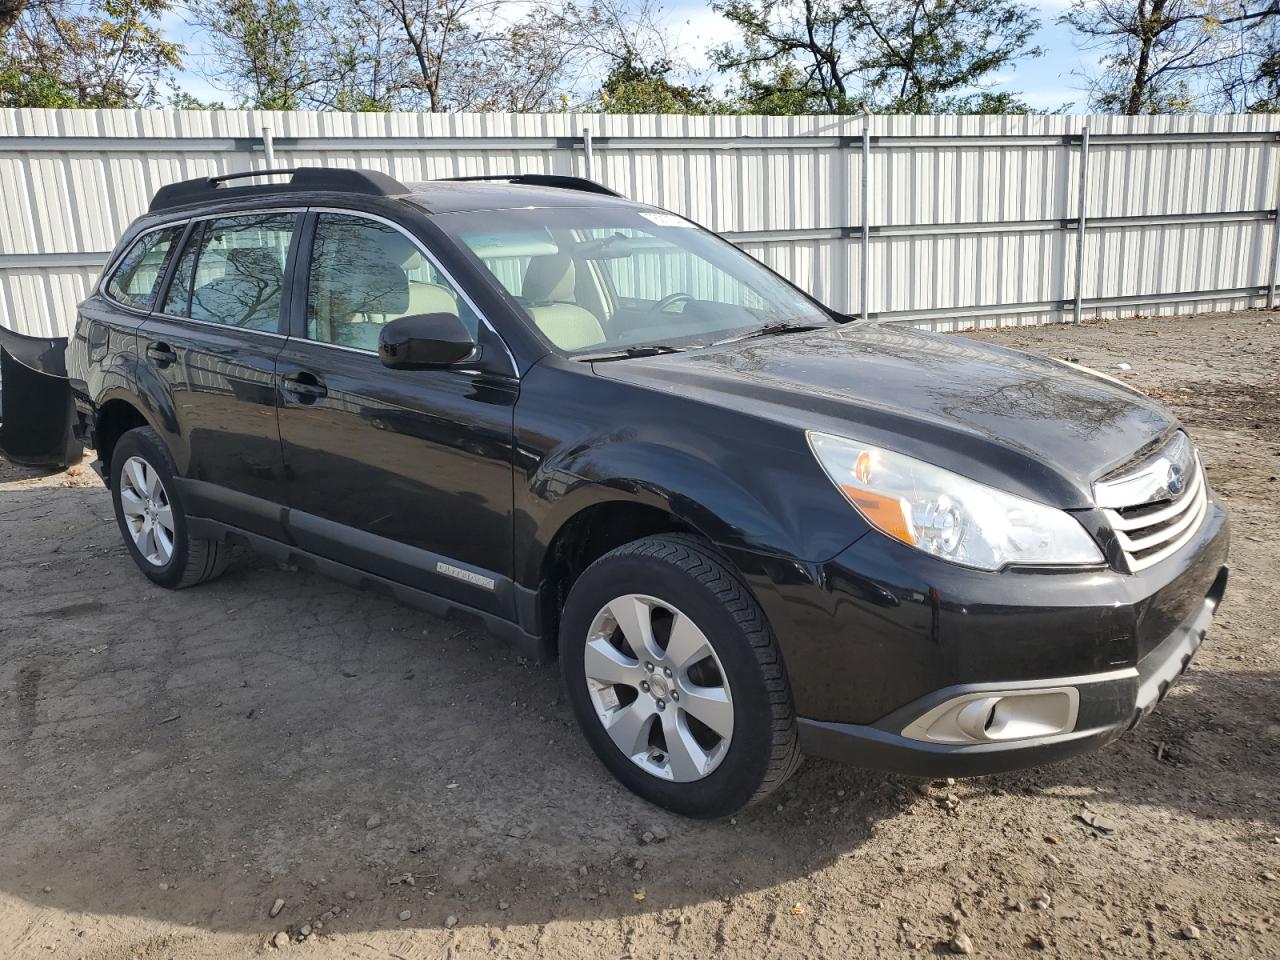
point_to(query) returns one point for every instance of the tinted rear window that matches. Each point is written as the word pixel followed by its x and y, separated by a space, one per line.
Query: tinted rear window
pixel 136 279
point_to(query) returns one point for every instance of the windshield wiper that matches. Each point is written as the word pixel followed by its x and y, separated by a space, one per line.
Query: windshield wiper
pixel 629 353
pixel 769 329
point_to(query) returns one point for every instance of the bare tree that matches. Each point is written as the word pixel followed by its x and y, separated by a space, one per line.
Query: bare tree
pixel 433 55
pixel 366 71
pixel 555 55
pixel 439 40
pixel 263 51
pixel 1167 56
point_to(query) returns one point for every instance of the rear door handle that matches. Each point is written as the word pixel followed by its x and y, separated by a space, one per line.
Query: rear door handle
pixel 304 387
pixel 162 354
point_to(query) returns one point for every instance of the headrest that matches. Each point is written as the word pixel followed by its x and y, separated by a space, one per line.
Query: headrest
pixel 374 284
pixel 391 244
pixel 549 279
pixel 256 263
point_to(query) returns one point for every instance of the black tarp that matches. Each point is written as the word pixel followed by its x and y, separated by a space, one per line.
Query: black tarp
pixel 37 414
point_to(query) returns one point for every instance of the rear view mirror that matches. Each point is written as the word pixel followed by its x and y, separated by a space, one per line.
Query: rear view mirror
pixel 423 341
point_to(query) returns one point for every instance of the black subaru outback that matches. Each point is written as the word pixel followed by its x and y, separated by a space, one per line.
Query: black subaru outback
pixel 747 527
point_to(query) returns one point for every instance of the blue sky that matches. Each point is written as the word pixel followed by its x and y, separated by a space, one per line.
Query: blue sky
pixel 1049 82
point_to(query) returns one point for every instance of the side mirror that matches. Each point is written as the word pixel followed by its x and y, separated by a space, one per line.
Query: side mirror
pixel 423 341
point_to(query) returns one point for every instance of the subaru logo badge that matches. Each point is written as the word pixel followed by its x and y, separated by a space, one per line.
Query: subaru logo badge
pixel 1176 480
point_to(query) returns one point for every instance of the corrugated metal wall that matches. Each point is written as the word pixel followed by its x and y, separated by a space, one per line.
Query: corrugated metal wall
pixel 968 219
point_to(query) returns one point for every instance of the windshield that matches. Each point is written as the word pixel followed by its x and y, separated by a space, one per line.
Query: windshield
pixel 603 279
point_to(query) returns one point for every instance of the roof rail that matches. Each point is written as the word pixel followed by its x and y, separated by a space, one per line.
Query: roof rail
pixel 318 179
pixel 544 180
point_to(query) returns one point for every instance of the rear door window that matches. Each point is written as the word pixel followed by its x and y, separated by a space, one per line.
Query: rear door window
pixel 177 299
pixel 232 272
pixel 136 279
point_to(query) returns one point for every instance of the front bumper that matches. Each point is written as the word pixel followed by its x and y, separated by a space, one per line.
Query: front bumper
pixel 1109 704
pixel 881 635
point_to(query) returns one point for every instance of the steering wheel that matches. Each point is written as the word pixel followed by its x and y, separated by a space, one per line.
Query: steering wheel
pixel 669 301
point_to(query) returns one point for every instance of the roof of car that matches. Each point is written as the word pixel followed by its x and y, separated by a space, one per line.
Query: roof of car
pixel 444 196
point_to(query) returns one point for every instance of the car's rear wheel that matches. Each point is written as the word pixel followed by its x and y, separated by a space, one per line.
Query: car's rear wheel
pixel 676 678
pixel 151 518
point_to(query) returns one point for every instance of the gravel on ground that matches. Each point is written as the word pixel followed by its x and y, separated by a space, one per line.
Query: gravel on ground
pixel 274 758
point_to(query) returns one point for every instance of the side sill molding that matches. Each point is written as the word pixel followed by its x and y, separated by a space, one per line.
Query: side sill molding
pixel 528 645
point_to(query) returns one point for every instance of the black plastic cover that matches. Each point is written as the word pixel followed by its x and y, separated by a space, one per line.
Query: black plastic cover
pixel 37 414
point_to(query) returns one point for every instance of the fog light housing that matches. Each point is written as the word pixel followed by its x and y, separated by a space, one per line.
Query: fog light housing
pixel 999 716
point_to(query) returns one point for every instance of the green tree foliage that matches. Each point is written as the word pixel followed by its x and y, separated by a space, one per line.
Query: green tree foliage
pixel 185 101
pixel 887 56
pixel 31 87
pixel 632 87
pixel 85 53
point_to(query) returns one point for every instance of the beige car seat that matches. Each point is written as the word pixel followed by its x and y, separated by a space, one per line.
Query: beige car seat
pixel 424 296
pixel 377 292
pixel 380 292
pixel 548 290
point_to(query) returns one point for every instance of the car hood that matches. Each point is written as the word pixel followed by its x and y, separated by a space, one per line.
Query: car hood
pixel 1027 424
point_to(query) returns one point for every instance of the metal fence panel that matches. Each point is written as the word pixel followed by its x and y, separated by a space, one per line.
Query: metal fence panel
pixel 967 220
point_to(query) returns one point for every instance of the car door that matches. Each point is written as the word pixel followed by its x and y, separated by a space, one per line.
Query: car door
pixel 405 474
pixel 209 354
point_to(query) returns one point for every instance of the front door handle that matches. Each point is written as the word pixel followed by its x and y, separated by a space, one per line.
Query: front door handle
pixel 304 387
pixel 161 354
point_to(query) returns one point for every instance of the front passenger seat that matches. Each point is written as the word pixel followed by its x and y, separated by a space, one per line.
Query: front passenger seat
pixel 549 291
pixel 374 294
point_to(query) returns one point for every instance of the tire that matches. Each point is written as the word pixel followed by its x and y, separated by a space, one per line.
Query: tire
pixel 690 599
pixel 173 558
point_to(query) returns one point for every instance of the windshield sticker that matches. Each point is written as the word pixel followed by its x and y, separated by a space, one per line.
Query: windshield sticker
pixel 666 220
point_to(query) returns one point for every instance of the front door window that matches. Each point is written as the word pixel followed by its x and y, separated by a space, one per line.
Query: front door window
pixel 364 274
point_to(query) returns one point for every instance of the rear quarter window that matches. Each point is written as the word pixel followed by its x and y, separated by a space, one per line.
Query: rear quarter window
pixel 136 278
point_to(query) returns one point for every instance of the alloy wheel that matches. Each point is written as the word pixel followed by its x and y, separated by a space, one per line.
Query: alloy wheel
pixel 658 688
pixel 147 512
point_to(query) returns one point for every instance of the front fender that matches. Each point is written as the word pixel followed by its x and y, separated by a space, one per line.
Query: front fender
pixel 696 492
pixel 748 484
pixel 739 514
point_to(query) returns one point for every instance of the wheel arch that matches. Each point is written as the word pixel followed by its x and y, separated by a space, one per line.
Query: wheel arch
pixel 114 418
pixel 587 534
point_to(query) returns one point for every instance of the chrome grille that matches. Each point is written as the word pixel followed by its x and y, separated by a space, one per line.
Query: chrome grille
pixel 1157 507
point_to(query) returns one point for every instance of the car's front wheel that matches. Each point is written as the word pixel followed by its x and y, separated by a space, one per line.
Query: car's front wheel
pixel 151 518
pixel 676 678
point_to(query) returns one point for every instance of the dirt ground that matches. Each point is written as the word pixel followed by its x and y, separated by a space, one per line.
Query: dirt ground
pixel 171 764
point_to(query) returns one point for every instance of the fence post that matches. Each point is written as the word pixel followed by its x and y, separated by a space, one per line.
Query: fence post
pixel 586 152
pixel 1275 246
pixel 269 147
pixel 1080 219
pixel 866 219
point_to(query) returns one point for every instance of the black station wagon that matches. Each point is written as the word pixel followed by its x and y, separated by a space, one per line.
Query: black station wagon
pixel 747 527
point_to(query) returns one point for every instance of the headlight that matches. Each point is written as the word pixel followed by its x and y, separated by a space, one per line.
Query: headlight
pixel 947 515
